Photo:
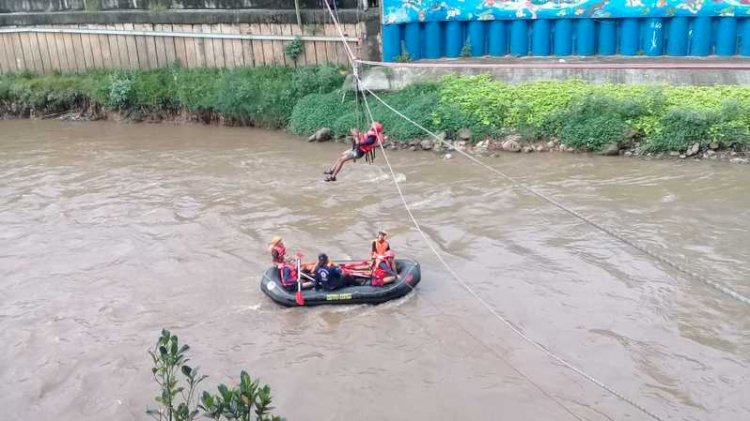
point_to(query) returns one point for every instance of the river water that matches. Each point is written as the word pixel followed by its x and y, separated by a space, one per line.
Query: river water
pixel 111 232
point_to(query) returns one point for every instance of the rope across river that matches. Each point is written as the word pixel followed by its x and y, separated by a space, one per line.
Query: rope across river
pixel 716 285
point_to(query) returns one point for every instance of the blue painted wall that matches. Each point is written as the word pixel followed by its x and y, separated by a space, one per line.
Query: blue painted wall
pixel 448 28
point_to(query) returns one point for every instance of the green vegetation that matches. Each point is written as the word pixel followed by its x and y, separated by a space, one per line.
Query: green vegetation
pixel 466 49
pixel 158 6
pixel 248 401
pixel 92 5
pixel 294 49
pixel 263 96
pixel 404 57
pixel 581 115
pixel 590 116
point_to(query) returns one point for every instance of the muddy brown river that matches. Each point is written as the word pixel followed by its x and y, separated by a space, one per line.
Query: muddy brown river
pixel 111 232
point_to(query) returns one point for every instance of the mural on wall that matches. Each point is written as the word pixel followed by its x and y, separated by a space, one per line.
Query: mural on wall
pixel 405 11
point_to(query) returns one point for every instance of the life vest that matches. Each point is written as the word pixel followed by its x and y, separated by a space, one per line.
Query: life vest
pixel 380 248
pixel 288 275
pixel 382 270
pixel 278 253
pixel 363 138
pixel 369 150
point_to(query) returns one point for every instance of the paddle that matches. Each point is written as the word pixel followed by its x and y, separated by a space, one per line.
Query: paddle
pixel 299 298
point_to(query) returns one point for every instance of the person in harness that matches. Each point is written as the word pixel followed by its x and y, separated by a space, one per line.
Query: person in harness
pixel 362 145
pixel 384 272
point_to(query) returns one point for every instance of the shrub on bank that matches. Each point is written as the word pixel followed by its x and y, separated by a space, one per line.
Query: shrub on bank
pixel 263 96
pixel 421 103
pixel 50 93
pixel 582 115
pixel 589 123
pixel 590 116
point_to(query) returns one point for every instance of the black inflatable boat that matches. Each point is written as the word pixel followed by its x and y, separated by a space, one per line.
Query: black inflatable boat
pixel 409 276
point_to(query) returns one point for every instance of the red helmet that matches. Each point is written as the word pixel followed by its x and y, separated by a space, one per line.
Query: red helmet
pixel 377 127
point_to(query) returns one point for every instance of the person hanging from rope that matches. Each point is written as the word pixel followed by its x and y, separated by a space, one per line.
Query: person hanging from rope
pixel 362 145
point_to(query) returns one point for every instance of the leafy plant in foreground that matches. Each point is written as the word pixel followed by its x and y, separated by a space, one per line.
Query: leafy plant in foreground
pixel 249 401
pixel 169 361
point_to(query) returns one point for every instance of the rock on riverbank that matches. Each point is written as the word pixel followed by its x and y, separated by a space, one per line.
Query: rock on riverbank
pixel 516 144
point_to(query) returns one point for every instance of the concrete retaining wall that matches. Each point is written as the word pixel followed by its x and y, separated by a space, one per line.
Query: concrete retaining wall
pixel 669 71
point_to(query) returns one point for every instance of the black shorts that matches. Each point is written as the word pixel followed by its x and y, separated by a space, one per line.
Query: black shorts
pixel 354 153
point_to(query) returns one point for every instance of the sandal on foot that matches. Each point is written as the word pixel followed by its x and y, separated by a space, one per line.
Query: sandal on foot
pixel 328 172
pixel 330 178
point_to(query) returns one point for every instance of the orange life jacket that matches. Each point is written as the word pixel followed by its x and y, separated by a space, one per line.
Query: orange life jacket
pixel 369 148
pixel 280 254
pixel 380 248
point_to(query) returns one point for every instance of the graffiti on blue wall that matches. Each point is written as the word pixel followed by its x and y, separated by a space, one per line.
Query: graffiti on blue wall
pixel 405 11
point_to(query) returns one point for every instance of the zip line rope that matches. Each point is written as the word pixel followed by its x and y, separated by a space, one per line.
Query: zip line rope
pixel 437 254
pixel 716 285
pixel 487 306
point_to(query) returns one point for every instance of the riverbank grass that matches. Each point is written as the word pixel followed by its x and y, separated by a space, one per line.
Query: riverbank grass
pixel 262 97
pixel 580 115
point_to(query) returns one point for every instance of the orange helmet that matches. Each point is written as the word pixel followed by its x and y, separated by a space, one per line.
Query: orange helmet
pixel 377 127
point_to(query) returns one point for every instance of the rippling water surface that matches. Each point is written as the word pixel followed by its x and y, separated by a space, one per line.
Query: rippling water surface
pixel 112 231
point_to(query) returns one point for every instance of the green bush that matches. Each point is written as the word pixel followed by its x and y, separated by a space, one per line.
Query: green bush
pixel 680 128
pixel 731 134
pixel 317 79
pixel 198 89
pixel 250 400
pixel 305 99
pixel 51 93
pixel 665 116
pixel 121 91
pixel 354 119
pixel 479 96
pixel 294 48
pixel 417 105
pixel 591 123
pixel 319 110
pixel 260 96
pixel 154 89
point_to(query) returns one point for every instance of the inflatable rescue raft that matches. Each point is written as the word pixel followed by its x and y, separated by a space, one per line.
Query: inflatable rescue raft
pixel 409 276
